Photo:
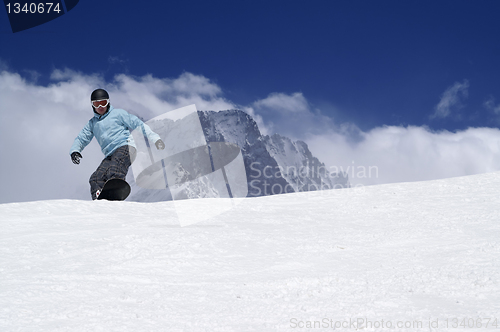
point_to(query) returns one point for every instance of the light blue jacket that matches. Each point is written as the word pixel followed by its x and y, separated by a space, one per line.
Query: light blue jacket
pixel 112 130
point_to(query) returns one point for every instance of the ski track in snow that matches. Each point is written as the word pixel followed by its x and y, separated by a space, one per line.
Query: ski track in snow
pixel 406 252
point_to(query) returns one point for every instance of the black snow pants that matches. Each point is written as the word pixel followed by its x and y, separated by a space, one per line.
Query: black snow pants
pixel 114 166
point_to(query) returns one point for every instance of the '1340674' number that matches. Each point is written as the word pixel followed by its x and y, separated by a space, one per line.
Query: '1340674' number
pixel 34 8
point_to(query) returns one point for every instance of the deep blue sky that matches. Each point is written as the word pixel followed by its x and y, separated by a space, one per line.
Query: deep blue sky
pixel 369 62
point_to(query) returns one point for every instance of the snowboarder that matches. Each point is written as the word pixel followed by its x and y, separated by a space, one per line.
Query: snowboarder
pixel 111 127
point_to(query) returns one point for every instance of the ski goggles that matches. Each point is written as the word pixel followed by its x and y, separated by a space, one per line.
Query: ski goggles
pixel 100 103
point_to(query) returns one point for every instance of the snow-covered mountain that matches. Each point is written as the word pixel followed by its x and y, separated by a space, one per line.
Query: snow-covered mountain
pixel 300 168
pixel 274 164
pixel 420 256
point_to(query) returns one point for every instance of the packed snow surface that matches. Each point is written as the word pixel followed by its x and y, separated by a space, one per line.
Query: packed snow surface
pixel 401 257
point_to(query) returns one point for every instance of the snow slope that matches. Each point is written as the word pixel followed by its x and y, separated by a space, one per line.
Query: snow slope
pixel 407 254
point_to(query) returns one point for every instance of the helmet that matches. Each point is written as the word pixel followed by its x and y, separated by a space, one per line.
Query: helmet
pixel 99 94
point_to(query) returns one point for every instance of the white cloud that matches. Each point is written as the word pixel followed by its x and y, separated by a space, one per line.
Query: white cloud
pixel 150 96
pixel 402 154
pixel 39 123
pixel 490 105
pixel 283 103
pixel 451 100
pixel 116 60
pixel 290 115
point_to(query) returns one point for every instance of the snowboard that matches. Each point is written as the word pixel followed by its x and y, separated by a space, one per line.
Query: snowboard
pixel 114 190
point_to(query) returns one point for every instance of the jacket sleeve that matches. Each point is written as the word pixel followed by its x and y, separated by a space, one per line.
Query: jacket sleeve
pixel 132 122
pixel 83 139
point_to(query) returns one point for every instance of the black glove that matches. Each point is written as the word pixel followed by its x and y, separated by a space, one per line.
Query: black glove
pixel 160 145
pixel 75 157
